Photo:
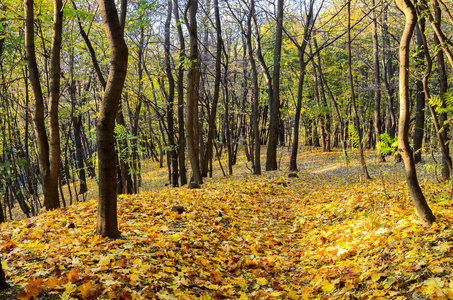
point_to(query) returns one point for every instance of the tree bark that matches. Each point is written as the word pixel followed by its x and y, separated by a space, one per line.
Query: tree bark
pixel 420 101
pixel 255 102
pixel 48 156
pixel 425 213
pixel 107 223
pixel 271 156
pixel 180 90
pixel 376 80
pixel 193 80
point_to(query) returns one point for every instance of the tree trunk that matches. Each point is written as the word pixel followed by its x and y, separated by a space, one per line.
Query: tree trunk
pixel 180 89
pixel 215 100
pixel 193 80
pixel 173 159
pixel 3 284
pixel 353 100
pixel 376 81
pixel 49 167
pixel 107 223
pixel 420 101
pixel 425 213
pixel 271 156
pixel 256 161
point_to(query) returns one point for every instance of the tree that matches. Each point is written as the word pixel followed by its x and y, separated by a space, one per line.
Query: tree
pixel 353 99
pixel 193 80
pixel 274 103
pixel 425 213
pixel 49 156
pixel 107 224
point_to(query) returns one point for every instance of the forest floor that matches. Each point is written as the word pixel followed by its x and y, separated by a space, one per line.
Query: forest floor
pixel 328 234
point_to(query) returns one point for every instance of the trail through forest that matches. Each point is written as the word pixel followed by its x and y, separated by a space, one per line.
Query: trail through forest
pixel 327 234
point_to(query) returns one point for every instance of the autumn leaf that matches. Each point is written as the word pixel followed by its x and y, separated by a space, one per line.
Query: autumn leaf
pixel 73 275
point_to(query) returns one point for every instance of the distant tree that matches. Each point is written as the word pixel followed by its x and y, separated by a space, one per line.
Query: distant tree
pixel 107 222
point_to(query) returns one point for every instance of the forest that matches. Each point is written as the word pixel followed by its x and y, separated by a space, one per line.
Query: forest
pixel 95 92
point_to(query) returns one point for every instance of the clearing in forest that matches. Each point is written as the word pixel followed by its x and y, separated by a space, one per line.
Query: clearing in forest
pixel 327 234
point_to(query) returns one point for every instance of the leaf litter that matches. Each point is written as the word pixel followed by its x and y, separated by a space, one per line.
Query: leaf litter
pixel 324 235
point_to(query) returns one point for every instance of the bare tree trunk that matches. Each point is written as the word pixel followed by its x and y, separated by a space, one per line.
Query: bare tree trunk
pixel 49 167
pixel 425 213
pixel 420 101
pixel 255 102
pixel 271 156
pixel 107 222
pixel 353 100
pixel 376 80
pixel 215 100
pixel 180 89
pixel 193 80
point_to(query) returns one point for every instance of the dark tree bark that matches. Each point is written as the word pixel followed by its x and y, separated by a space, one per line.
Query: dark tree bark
pixel 172 155
pixel 3 284
pixel 274 104
pixel 255 102
pixel 107 222
pixel 420 101
pixel 180 90
pixel 425 213
pixel 48 156
pixel 193 80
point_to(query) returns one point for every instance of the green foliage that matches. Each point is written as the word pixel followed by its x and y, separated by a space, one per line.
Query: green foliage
pixel 355 137
pixel 386 144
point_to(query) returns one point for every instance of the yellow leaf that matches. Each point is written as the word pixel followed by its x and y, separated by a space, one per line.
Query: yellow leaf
pixel 261 281
pixel 292 295
pixel 327 286
pixel 211 286
pixel 104 261
pixel 376 277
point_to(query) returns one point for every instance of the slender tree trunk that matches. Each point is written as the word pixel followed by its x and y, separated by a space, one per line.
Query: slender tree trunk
pixel 376 80
pixel 107 222
pixel 180 90
pixel 420 101
pixel 274 104
pixel 193 80
pixel 353 100
pixel 425 213
pixel 49 167
pixel 215 100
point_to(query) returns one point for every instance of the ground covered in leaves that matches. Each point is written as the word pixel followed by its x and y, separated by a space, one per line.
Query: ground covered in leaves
pixel 327 234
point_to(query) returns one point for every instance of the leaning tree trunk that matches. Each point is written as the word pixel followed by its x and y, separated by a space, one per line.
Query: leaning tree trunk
pixel 107 223
pixel 425 213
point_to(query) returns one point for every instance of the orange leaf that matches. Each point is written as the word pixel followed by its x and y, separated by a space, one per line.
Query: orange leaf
pixel 87 290
pixel 73 275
